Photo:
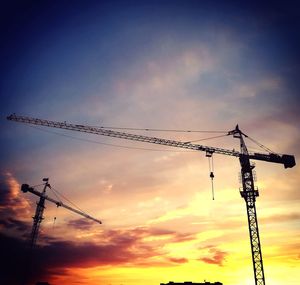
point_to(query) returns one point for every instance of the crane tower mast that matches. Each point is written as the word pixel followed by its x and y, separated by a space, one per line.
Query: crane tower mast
pixel 248 192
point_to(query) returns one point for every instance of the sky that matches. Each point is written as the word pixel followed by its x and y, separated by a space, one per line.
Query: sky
pixel 168 65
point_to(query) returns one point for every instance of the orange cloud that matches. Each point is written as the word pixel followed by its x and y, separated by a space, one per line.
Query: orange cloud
pixel 178 260
pixel 216 256
pixel 135 247
pixel 282 218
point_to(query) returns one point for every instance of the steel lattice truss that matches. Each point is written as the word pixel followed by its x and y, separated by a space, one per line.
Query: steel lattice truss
pixel 249 193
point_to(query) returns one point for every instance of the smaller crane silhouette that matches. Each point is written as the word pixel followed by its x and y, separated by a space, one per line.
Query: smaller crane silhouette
pixel 40 206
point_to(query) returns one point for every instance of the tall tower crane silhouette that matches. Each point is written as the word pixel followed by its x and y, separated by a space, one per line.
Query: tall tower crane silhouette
pixel 248 192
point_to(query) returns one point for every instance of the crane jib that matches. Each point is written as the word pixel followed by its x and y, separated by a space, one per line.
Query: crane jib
pixel 287 160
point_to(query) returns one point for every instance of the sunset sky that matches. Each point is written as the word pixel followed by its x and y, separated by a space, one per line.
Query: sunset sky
pixel 179 65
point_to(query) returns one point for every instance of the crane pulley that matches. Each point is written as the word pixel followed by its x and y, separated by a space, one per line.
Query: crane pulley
pixel 248 191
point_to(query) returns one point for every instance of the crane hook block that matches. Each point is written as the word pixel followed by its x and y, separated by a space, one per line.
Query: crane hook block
pixel 211 175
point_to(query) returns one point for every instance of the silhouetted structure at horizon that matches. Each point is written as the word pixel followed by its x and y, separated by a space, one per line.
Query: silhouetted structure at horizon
pixel 42 283
pixel 191 283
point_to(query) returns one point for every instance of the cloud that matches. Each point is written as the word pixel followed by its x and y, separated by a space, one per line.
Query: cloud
pixel 131 247
pixel 281 218
pixel 10 194
pixel 11 223
pixel 182 237
pixel 215 256
pixel 53 258
pixel 13 207
pixel 81 224
pixel 13 258
pixel 178 260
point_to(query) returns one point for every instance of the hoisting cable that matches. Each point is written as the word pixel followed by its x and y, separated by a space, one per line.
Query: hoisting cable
pixel 211 172
pixel 64 197
pixel 59 196
pixel 259 144
pixel 205 139
pixel 56 195
pixel 108 144
pixel 126 147
pixel 160 130
pixel 54 220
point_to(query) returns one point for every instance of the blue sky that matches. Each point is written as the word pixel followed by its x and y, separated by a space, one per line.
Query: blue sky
pixel 201 65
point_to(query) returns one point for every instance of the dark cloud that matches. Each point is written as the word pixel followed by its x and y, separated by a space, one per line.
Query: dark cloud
pixel 13 207
pixel 11 223
pixel 6 193
pixel 182 237
pixel 159 232
pixel 115 247
pixel 14 256
pixel 172 236
pixel 178 260
pixel 81 224
pixel 216 256
pixel 51 258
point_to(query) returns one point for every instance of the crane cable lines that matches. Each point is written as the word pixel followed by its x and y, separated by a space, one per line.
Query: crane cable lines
pixel 38 217
pixel 125 146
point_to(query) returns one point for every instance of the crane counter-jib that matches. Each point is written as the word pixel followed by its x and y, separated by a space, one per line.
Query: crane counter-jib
pixel 287 160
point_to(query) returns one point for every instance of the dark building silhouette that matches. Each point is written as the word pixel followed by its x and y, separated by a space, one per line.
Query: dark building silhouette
pixel 191 283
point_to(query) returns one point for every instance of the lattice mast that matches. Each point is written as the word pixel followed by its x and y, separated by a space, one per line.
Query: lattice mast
pixel 38 217
pixel 249 193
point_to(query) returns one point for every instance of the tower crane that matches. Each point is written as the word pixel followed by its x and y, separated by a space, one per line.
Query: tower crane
pixel 40 206
pixel 248 191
